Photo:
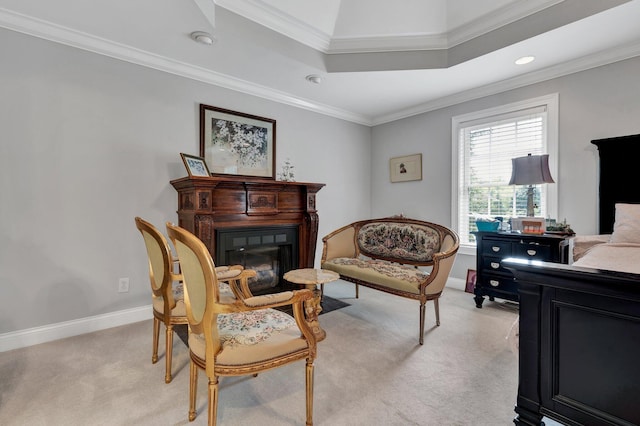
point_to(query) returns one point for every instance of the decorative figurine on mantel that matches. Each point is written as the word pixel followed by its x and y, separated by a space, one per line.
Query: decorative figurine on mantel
pixel 287 173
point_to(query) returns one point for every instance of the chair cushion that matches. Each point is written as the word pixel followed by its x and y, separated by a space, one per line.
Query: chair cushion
pixel 252 337
pixel 179 310
pixel 387 274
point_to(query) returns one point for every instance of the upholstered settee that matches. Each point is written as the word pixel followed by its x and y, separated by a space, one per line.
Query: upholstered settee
pixel 406 257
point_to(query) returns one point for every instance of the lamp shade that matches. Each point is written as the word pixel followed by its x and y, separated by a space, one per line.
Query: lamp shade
pixel 530 170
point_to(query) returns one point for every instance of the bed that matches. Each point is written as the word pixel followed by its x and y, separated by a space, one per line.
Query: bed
pixel 579 327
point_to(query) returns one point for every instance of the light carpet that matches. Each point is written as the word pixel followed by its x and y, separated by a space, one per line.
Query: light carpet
pixel 370 370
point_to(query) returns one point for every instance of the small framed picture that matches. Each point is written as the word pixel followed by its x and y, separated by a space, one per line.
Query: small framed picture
pixel 471 281
pixel 196 166
pixel 407 168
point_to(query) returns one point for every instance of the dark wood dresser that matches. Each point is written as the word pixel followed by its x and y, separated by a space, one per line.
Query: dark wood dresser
pixel 493 279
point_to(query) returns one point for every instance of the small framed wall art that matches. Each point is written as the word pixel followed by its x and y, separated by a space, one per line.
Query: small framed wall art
pixel 407 168
pixel 235 143
pixel 196 166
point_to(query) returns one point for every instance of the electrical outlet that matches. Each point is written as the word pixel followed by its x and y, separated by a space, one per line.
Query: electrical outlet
pixel 123 285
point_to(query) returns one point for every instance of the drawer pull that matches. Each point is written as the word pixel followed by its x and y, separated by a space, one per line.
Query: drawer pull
pixel 495 248
pixel 531 252
pixel 495 265
pixel 494 283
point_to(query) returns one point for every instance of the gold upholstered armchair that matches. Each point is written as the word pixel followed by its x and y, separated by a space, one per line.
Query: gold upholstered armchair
pixel 221 343
pixel 166 288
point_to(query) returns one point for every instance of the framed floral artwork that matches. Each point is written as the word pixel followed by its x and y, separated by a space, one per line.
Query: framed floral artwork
pixel 235 143
pixel 196 166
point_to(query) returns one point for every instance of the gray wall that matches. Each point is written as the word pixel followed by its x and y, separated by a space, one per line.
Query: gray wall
pixel 89 142
pixel 593 104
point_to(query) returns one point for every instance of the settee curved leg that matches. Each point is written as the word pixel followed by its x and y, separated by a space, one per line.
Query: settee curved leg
pixel 422 310
pixel 437 308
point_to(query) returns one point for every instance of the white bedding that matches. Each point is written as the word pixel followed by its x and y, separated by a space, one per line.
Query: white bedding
pixel 624 257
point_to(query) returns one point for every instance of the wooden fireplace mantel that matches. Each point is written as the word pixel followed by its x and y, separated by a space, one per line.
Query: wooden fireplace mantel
pixel 206 204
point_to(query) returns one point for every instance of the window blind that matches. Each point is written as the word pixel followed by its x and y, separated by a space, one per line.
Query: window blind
pixel 486 148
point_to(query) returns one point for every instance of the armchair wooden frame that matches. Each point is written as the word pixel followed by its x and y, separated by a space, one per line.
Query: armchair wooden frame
pixel 203 307
pixel 162 274
pixel 162 277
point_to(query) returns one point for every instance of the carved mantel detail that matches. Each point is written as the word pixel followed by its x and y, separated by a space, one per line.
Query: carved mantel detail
pixel 206 204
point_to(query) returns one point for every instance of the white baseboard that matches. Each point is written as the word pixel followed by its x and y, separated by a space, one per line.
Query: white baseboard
pixel 457 283
pixel 48 333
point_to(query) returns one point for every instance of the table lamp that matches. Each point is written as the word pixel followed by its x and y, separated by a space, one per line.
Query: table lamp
pixel 530 170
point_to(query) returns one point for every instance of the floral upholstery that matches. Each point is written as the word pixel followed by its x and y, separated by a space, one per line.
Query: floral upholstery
pixel 250 328
pixel 400 241
pixel 382 272
pixel 391 255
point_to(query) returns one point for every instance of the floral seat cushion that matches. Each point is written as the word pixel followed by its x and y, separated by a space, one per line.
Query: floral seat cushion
pixel 246 328
pixel 381 272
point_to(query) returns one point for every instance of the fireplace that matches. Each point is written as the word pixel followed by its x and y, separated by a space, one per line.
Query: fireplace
pixel 266 225
pixel 270 251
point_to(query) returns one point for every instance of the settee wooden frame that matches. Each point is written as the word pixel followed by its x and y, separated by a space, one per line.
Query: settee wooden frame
pixel 343 243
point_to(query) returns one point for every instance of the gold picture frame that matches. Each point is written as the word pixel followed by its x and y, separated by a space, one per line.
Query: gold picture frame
pixel 407 168
pixel 196 166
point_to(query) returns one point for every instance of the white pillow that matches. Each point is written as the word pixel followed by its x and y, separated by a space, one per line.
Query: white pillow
pixel 626 228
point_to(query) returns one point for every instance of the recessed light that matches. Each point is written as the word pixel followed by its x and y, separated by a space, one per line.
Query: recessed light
pixel 314 78
pixel 202 37
pixel 525 60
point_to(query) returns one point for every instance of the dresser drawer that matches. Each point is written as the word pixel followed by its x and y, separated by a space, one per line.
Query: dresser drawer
pixel 500 283
pixel 496 248
pixel 532 251
pixel 493 264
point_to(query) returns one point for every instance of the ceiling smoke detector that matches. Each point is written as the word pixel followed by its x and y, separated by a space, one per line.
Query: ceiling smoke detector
pixel 314 78
pixel 203 37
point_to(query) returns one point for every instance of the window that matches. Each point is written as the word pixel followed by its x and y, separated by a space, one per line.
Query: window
pixel 483 145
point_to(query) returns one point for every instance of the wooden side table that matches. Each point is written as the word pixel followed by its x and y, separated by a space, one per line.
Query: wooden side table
pixel 310 278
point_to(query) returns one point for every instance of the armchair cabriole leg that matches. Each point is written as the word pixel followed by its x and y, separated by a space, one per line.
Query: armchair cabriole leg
pixel 309 370
pixel 156 336
pixel 168 354
pixel 193 386
pixel 422 311
pixel 437 308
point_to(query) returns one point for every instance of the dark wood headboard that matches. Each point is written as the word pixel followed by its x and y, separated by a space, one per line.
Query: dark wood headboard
pixel 619 176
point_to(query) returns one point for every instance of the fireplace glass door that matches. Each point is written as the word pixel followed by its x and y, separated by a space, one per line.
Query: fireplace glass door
pixel 270 251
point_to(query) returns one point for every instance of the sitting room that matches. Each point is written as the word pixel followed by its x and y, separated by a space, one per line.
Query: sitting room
pixel 299 121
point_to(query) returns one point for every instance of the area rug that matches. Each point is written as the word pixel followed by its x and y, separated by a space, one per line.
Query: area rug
pixel 328 304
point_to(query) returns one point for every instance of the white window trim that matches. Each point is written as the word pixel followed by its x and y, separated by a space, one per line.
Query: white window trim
pixel 551 103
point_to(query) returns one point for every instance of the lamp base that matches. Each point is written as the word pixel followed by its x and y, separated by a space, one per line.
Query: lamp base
pixel 530 206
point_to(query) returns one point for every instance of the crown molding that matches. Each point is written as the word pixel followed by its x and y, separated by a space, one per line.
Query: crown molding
pixel 63 35
pixel 276 20
pixel 496 19
pixel 285 24
pixel 409 42
pixel 601 58
pixel 59 34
